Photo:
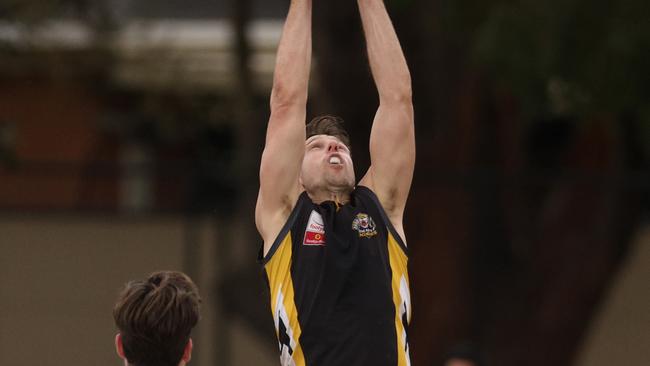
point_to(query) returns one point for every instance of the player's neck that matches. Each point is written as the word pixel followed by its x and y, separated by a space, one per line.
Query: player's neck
pixel 339 197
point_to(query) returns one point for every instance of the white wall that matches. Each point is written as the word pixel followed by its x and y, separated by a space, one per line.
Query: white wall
pixel 60 276
pixel 620 334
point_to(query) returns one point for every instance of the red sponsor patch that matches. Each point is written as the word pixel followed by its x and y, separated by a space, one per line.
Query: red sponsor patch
pixel 312 238
pixel 315 231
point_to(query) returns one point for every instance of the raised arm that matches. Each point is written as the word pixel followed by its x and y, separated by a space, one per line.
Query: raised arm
pixel 392 139
pixel 285 136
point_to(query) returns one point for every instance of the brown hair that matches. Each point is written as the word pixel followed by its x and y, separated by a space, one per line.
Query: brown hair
pixel 328 125
pixel 155 318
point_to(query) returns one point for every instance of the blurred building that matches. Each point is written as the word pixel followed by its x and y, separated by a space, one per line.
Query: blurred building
pixel 80 106
pixel 118 157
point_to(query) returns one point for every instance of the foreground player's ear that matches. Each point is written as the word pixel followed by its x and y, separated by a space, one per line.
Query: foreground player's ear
pixel 118 346
pixel 187 354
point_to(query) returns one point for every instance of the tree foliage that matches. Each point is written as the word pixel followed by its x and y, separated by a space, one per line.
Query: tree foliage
pixel 571 56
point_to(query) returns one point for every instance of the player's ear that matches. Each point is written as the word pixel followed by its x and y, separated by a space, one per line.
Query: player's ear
pixel 118 346
pixel 187 353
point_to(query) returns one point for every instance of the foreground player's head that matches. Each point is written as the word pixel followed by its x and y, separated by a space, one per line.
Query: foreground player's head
pixel 155 317
pixel 327 164
pixel 463 354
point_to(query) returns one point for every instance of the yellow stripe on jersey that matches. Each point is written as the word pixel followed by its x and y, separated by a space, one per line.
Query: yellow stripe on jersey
pixel 278 270
pixel 401 297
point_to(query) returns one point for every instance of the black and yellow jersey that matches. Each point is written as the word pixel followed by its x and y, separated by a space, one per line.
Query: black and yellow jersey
pixel 339 285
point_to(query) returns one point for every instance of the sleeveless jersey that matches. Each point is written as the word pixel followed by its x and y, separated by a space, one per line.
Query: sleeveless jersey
pixel 339 285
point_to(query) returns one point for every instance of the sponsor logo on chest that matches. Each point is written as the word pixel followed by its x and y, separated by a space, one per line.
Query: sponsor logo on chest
pixel 364 225
pixel 315 231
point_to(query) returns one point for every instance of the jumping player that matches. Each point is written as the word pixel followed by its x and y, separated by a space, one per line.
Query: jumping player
pixel 334 252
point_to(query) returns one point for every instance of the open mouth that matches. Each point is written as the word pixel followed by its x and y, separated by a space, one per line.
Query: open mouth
pixel 335 160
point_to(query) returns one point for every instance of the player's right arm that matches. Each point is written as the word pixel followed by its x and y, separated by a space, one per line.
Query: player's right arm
pixel 285 135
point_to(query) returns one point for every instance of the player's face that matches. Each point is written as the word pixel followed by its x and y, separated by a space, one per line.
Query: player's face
pixel 327 165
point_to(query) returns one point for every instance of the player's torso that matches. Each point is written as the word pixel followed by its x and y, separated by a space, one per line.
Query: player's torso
pixel 339 285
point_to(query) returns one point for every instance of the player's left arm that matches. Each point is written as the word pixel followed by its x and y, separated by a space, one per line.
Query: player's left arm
pixel 392 139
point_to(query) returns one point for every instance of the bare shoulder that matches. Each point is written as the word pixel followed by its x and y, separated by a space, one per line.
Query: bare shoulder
pixel 270 216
